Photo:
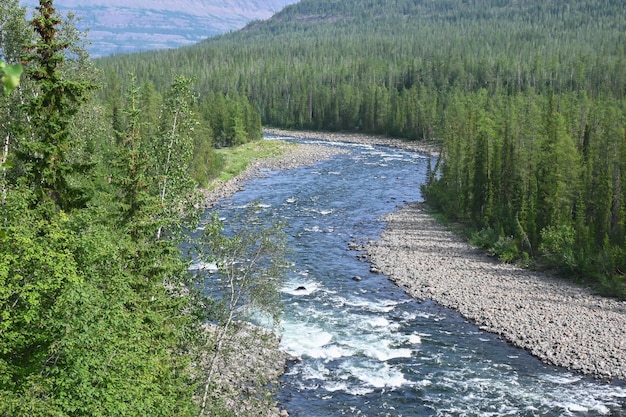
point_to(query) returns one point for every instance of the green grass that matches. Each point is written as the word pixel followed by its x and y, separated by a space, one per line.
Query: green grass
pixel 237 159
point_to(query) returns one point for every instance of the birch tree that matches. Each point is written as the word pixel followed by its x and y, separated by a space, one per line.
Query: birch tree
pixel 250 265
pixel 173 152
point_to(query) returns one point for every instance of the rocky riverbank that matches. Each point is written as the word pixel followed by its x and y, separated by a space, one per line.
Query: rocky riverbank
pixel 560 323
pixel 430 148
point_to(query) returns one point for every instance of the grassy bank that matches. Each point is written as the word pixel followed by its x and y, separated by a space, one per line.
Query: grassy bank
pixel 237 159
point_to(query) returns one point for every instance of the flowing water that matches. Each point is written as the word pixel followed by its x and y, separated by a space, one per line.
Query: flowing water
pixel 365 347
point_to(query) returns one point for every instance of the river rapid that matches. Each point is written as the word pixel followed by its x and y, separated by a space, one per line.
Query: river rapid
pixel 364 347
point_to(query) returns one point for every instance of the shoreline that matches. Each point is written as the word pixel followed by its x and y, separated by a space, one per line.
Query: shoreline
pixel 557 321
pixel 299 156
pixel 430 147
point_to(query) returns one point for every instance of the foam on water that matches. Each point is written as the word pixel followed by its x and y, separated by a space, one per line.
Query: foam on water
pixel 488 392
pixel 378 322
pixel 314 229
pixel 323 212
pixel 302 340
pixel 210 267
pixel 376 375
pixel 376 306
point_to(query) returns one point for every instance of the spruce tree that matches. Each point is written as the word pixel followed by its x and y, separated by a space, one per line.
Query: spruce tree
pixel 45 155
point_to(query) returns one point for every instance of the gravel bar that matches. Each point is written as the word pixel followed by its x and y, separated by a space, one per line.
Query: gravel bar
pixel 560 323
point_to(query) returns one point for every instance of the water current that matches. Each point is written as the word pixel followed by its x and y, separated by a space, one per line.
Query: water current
pixel 365 348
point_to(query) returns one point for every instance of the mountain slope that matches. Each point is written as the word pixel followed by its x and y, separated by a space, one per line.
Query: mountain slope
pixel 117 26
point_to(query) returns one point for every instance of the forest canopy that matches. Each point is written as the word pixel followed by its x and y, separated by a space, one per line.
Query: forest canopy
pixel 527 100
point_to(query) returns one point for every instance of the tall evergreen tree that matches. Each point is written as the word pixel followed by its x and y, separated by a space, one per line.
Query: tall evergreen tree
pixel 46 155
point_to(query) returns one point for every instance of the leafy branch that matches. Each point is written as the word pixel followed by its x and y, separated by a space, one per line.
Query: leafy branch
pixel 10 76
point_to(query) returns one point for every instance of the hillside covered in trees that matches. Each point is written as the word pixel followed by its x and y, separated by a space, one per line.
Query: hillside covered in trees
pixel 526 99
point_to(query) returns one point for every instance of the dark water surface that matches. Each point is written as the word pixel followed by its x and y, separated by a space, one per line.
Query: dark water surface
pixel 366 348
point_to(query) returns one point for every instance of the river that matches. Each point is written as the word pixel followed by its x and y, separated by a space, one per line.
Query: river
pixel 365 348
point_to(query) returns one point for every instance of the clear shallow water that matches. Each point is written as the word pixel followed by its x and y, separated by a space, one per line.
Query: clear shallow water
pixel 366 348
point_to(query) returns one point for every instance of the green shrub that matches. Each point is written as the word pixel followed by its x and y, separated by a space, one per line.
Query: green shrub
pixel 557 246
pixel 506 249
pixel 485 238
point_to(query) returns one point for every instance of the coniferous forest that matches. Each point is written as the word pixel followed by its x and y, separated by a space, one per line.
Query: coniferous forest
pixel 101 161
pixel 527 100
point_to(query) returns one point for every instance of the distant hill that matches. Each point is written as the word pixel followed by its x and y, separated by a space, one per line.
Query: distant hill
pixel 120 26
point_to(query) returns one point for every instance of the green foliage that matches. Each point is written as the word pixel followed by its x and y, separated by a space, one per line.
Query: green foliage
pixel 250 263
pixel 485 238
pixel 389 67
pixel 557 245
pixel 46 156
pixel 231 118
pixel 549 176
pixel 172 151
pixel 531 121
pixel 236 160
pixel 79 335
pixel 136 202
pixel 12 38
pixel 98 312
pixel 206 164
pixel 249 266
pixel 11 76
pixel 506 249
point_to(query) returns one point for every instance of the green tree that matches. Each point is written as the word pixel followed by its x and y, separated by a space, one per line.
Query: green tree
pixel 557 171
pixel 46 156
pixel 249 266
pixel 93 319
pixel 172 153
pixel 14 34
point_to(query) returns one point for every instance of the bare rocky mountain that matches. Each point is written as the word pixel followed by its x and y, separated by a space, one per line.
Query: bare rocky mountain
pixel 119 26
